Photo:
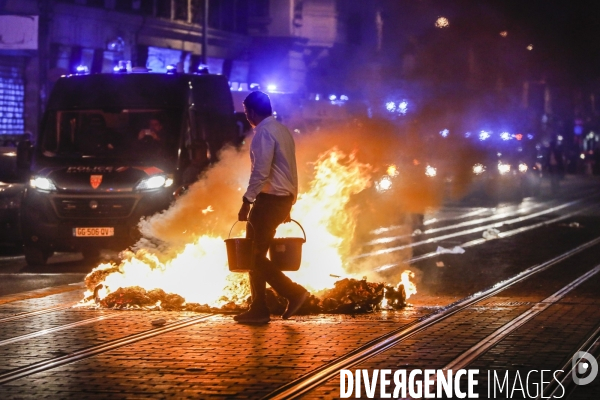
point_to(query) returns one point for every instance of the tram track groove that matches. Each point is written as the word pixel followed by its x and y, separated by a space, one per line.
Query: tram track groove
pixel 565 377
pixel 586 194
pixel 98 349
pixel 56 329
pixel 454 226
pixel 479 241
pixel 469 231
pixel 467 357
pixel 36 313
pixel 476 211
pixel 322 374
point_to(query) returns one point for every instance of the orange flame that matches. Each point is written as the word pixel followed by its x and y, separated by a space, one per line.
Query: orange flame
pixel 199 272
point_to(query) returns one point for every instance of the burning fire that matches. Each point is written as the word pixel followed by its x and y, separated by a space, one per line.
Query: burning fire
pixel 199 272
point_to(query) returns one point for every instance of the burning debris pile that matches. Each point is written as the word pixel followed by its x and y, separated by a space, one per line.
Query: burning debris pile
pixel 188 271
pixel 349 296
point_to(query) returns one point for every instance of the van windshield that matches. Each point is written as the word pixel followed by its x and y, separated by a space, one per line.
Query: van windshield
pixel 148 135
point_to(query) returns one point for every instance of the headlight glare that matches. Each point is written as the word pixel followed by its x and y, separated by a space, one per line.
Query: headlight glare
pixel 39 182
pixel 154 182
pixel 503 168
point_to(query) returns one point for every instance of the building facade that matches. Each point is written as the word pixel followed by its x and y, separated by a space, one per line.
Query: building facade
pixel 251 41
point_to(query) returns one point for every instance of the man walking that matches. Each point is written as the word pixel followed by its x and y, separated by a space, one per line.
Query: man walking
pixel 272 191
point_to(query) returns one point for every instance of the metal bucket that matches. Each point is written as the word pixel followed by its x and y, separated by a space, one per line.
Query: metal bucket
pixel 286 253
pixel 240 253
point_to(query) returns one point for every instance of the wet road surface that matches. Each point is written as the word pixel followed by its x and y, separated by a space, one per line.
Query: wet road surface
pixel 521 298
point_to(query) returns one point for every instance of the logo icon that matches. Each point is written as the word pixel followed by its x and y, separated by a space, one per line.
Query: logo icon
pixel 95 181
pixel 585 368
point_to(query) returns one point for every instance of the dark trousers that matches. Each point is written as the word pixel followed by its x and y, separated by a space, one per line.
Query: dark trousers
pixel 267 213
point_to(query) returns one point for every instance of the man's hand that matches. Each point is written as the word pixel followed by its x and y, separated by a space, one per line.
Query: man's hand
pixel 244 211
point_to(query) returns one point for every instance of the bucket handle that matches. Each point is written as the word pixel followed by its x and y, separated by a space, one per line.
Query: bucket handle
pixel 247 223
pixel 298 223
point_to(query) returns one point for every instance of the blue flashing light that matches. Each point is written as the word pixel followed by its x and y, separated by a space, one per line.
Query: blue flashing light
pixel 484 135
pixel 444 132
pixel 202 69
pixel 271 87
pixel 529 136
pixel 344 97
pixel 254 86
pixel 505 136
pixel 467 135
pixel 82 70
pixel 171 69
pixel 390 106
pixel 332 97
pixel 317 97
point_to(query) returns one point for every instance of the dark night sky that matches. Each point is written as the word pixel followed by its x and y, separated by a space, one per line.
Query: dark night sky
pixel 565 34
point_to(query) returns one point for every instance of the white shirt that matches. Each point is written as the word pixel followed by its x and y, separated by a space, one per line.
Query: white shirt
pixel 273 157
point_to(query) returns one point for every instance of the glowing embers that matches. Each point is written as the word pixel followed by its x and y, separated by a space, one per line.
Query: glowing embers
pixel 348 296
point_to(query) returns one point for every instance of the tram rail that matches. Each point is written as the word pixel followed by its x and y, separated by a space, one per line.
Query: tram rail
pixel 320 375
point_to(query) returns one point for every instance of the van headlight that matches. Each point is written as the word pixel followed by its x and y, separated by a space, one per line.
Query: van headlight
pixel 41 183
pixel 155 182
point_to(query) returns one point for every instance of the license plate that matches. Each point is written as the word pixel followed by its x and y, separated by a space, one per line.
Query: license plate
pixel 93 232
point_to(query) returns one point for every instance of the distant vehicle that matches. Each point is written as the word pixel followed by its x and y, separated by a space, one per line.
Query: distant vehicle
pixel 113 148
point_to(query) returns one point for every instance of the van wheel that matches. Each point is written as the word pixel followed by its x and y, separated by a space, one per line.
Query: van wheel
pixel 35 256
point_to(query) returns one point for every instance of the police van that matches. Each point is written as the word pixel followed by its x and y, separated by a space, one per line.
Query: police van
pixel 113 148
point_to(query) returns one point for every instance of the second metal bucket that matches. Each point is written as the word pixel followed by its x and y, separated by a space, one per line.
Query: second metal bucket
pixel 286 253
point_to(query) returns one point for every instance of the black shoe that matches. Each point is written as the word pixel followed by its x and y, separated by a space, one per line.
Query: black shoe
pixel 253 317
pixel 294 305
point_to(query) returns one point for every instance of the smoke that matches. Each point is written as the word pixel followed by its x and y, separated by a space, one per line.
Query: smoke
pixel 208 208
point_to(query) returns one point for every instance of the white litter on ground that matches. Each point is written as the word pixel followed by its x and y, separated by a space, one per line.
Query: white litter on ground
pixel 454 250
pixel 491 234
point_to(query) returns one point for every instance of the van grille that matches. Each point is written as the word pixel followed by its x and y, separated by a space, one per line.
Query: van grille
pixel 84 208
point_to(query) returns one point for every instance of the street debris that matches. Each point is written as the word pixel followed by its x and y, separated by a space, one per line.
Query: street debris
pixel 348 296
pixel 491 233
pixel 159 322
pixel 439 264
pixel 454 250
